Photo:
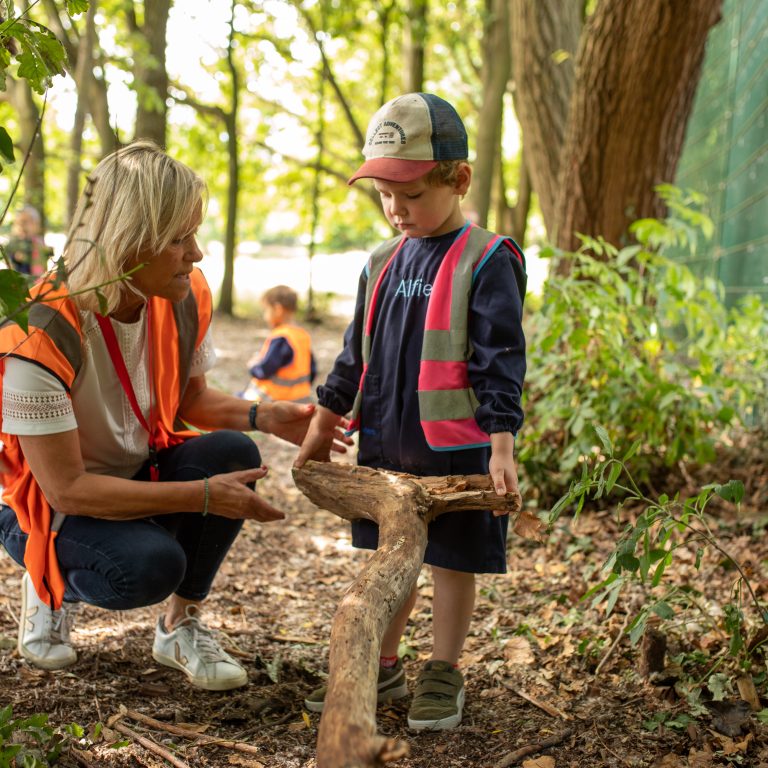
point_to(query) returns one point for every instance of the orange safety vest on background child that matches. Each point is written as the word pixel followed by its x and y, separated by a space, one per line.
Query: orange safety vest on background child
pixel 293 380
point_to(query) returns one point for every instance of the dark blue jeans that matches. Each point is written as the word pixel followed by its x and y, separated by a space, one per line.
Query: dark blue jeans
pixel 133 563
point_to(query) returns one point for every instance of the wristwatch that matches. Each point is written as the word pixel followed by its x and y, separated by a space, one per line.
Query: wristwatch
pixel 252 413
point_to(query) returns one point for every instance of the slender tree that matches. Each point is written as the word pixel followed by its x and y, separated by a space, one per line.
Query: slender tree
pixel 150 77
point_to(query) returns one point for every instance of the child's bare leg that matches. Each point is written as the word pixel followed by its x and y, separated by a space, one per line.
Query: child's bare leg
pixel 452 606
pixel 391 638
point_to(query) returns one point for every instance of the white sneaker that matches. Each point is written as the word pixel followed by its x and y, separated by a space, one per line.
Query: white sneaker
pixel 192 648
pixel 43 633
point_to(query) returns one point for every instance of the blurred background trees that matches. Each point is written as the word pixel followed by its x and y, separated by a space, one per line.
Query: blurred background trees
pixel 576 109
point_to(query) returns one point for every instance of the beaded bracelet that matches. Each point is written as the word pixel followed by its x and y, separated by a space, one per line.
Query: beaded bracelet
pixel 205 496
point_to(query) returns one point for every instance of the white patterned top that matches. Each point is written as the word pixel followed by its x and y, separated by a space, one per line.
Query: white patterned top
pixel 112 440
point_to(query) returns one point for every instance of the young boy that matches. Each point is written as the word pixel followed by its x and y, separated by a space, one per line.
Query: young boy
pixel 432 369
pixel 285 367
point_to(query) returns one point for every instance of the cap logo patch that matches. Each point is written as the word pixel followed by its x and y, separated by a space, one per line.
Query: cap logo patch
pixel 381 135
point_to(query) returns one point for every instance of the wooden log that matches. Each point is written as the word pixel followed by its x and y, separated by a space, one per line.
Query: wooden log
pixel 402 505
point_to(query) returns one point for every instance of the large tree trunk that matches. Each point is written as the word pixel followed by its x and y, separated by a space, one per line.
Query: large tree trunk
pixel 637 71
pixel 151 76
pixel 496 69
pixel 545 38
pixel 403 506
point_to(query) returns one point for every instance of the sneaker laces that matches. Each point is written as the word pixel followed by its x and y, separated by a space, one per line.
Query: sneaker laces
pixel 203 640
pixel 62 622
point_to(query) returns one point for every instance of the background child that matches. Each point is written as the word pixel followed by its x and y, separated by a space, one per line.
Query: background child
pixel 285 367
pixel 432 369
pixel 26 248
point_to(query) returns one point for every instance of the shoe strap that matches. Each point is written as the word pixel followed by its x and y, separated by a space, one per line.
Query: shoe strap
pixel 435 684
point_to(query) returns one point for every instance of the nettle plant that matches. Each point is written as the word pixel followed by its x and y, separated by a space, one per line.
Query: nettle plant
pixel 633 341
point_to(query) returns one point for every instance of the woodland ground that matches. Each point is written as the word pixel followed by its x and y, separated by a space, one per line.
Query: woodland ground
pixel 540 662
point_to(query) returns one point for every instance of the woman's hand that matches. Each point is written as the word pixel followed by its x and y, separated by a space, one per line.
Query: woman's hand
pixel 229 496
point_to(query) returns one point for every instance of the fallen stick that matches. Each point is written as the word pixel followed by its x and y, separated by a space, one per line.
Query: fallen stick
pixel 202 739
pixel 519 754
pixel 293 639
pixel 542 705
pixel 403 506
pixel 151 746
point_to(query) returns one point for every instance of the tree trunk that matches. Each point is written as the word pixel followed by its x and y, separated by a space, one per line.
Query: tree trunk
pixel 151 76
pixel 82 70
pixel 97 103
pixel 496 69
pixel 403 506
pixel 30 142
pixel 545 38
pixel 414 42
pixel 226 298
pixel 637 70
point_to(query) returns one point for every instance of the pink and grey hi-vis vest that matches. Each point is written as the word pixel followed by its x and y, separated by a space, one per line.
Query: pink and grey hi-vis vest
pixel 447 403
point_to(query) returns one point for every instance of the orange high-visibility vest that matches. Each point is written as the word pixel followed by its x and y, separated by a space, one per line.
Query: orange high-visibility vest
pixel 292 381
pixel 54 342
pixel 447 402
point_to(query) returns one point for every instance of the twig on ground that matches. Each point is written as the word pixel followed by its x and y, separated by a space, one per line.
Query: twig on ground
pixel 542 705
pixel 202 739
pixel 615 642
pixel 519 754
pixel 151 746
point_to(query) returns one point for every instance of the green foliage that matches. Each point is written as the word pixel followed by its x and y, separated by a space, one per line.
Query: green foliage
pixel 633 341
pixel 31 742
pixel 655 532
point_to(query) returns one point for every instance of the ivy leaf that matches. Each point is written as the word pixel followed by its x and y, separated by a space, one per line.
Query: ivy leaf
pixel 718 685
pixel 6 145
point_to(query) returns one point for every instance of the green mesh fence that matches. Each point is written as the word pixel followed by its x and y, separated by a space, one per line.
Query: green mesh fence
pixel 725 155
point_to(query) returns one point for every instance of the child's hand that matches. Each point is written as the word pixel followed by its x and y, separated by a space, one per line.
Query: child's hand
pixel 325 434
pixel 502 466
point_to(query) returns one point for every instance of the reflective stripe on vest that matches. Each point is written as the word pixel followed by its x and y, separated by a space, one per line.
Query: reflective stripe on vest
pixel 292 381
pixel 447 403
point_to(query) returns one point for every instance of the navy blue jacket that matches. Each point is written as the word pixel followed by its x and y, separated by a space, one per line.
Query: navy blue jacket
pixel 391 436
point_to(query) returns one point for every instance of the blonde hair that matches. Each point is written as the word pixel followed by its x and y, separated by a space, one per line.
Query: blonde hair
pixel 135 200
pixel 445 173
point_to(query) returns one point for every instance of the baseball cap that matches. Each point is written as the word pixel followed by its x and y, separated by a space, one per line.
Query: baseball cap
pixel 409 135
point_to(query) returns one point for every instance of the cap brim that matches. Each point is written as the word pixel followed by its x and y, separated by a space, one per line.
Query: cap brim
pixel 393 169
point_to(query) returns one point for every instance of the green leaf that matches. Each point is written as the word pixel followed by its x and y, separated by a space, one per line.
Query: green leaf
pixel 613 476
pixel 14 292
pixel 602 434
pixel 663 610
pixel 719 684
pixel 76 7
pixel 103 305
pixel 6 145
pixel 733 491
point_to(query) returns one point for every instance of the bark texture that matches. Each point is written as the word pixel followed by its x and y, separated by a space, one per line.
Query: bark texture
pixel 496 70
pixel 151 76
pixel 545 38
pixel 402 505
pixel 637 70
